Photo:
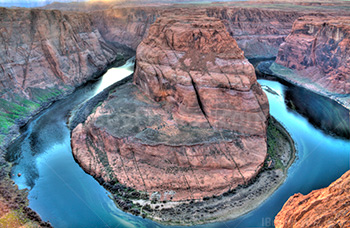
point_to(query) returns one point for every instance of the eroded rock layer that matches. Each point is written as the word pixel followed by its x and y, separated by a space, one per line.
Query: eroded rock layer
pixel 45 54
pixel 193 126
pixel 258 32
pixel 327 207
pixel 318 49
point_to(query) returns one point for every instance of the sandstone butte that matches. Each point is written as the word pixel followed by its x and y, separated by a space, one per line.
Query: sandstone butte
pixel 327 207
pixel 318 49
pixel 194 122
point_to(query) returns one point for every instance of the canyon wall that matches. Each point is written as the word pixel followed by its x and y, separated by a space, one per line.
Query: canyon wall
pixel 193 126
pixel 259 32
pixel 44 54
pixel 327 207
pixel 318 50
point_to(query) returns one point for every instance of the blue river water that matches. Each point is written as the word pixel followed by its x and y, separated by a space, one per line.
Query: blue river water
pixel 62 193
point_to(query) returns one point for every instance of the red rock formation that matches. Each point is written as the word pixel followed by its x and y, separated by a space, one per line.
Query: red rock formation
pixel 184 61
pixel 194 127
pixel 327 207
pixel 258 32
pixel 44 54
pixel 318 49
pixel 126 26
pixel 41 49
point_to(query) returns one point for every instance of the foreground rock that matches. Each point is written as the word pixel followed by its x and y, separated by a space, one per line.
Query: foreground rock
pixel 317 53
pixel 194 126
pixel 327 207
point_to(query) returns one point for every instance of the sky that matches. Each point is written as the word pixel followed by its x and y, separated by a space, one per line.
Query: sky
pixel 32 3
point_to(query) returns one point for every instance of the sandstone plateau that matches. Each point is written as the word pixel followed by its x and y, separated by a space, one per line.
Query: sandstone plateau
pixel 193 125
pixel 318 50
pixel 327 207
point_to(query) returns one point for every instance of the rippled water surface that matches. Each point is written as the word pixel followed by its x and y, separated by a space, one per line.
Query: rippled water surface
pixel 62 193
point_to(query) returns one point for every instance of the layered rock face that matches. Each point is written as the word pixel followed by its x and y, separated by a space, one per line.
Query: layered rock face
pixel 42 48
pixel 318 49
pixel 193 126
pixel 328 207
pixel 44 54
pixel 126 26
pixel 258 32
pixel 193 64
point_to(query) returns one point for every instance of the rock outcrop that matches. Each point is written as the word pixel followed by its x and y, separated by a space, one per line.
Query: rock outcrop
pixel 327 207
pixel 258 32
pixel 194 65
pixel 318 50
pixel 193 126
pixel 44 54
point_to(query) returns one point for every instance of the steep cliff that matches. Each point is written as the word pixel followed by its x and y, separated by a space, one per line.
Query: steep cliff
pixel 44 54
pixel 258 32
pixel 125 26
pixel 318 50
pixel 195 124
pixel 327 207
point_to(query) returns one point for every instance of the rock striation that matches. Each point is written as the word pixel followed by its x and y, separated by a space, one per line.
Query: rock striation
pixel 318 50
pixel 194 65
pixel 43 55
pixel 258 32
pixel 327 207
pixel 193 125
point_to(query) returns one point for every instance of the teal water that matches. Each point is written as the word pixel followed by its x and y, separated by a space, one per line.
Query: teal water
pixel 61 192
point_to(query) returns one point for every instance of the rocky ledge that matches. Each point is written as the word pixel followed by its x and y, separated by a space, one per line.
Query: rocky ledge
pixel 193 125
pixel 327 207
pixel 316 56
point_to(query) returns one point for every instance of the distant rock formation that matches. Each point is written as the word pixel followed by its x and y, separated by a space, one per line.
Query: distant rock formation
pixel 327 207
pixel 258 32
pixel 318 50
pixel 195 124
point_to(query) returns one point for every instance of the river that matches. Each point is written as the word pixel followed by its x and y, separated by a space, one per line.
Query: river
pixel 62 193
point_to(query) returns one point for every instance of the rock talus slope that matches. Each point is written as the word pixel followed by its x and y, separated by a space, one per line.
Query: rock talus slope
pixel 193 126
pixel 327 207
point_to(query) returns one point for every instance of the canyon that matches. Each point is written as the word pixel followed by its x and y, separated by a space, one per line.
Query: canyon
pixel 189 137
pixel 175 146
pixel 44 55
pixel 316 56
